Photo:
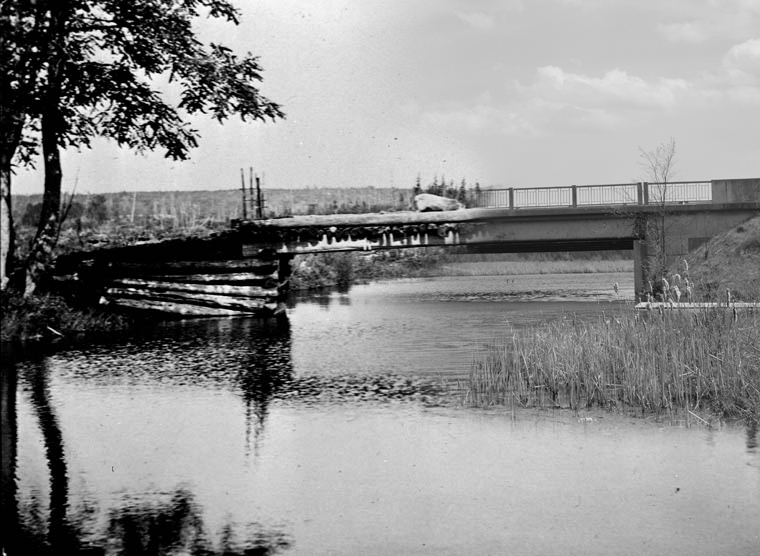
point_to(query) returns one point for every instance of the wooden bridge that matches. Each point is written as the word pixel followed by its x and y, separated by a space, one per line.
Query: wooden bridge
pixel 246 269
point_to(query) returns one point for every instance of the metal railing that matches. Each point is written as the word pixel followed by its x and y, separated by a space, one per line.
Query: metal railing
pixel 680 192
pixel 616 194
pixel 641 193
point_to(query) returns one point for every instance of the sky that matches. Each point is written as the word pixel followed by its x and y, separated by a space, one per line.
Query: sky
pixel 506 93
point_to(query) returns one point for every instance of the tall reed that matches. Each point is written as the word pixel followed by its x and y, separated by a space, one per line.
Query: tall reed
pixel 708 359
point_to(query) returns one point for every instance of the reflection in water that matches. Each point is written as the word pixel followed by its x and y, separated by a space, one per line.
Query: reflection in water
pixel 175 526
pixel 269 368
pixel 146 443
pixel 51 433
pixel 752 436
pixel 9 437
pixel 247 356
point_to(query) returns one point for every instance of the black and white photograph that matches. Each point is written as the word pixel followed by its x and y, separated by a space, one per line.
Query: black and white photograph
pixel 380 277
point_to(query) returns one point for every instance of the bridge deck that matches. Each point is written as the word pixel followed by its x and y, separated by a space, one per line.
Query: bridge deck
pixel 246 268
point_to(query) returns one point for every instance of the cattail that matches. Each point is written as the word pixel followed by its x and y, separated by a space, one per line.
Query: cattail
pixel 728 296
pixel 665 287
pixel 676 278
pixel 677 293
pixel 686 266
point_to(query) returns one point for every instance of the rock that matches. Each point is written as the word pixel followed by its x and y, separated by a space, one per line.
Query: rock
pixel 425 202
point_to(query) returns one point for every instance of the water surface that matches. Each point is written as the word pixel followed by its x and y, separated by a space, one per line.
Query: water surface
pixel 324 434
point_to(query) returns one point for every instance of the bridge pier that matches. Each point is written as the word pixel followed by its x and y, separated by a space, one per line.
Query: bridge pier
pixel 640 254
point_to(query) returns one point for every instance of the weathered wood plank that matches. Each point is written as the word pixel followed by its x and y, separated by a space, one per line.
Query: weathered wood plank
pixel 242 291
pixel 255 266
pixel 209 300
pixel 238 278
pixel 187 309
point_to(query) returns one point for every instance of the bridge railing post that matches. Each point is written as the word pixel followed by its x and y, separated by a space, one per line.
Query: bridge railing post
pixel 645 192
pixel 575 195
pixel 511 198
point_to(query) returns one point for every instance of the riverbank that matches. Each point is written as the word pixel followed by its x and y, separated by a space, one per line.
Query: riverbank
pixel 687 361
pixel 730 261
pixel 343 269
pixel 676 360
pixel 48 318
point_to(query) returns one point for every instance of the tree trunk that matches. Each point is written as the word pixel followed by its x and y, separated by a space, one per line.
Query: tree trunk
pixel 11 124
pixel 41 254
pixel 7 234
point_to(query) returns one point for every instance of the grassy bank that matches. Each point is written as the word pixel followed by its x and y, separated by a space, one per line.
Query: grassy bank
pixel 506 268
pixel 343 269
pixel 728 261
pixel 677 360
pixel 689 361
pixel 50 317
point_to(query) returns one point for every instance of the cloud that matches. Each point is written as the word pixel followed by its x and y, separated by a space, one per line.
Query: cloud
pixel 744 56
pixel 614 88
pixel 479 20
pixel 687 31
pixel 727 19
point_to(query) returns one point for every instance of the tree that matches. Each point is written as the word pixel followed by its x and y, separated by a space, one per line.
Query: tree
pixel 76 69
pixel 658 169
pixel 97 210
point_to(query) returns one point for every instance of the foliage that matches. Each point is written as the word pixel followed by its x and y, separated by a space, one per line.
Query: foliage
pixel 77 69
pixel 50 316
pixel 111 55
pixel 343 269
pixel 449 189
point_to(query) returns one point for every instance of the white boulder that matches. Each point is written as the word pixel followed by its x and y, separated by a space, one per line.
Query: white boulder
pixel 425 202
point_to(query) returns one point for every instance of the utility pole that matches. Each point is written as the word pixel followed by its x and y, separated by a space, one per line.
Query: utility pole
pixel 242 187
pixel 259 207
pixel 251 198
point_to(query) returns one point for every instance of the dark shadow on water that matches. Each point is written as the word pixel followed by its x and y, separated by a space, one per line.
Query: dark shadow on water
pixel 269 369
pixel 752 430
pixel 249 356
pixel 173 524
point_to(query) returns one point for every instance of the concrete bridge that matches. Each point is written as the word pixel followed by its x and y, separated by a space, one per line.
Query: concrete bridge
pixel 246 268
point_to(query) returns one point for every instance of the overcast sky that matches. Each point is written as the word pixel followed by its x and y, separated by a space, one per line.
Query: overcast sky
pixel 509 93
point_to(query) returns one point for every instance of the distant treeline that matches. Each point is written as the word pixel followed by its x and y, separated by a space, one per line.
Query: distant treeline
pixel 184 210
pixel 190 209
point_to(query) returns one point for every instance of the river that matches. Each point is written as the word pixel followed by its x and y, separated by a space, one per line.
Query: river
pixel 330 433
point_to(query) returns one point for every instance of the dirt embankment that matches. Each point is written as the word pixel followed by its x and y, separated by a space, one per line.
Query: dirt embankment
pixel 728 261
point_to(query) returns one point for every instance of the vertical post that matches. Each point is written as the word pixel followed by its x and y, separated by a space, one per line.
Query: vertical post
pixel 259 211
pixel 283 280
pixel 242 188
pixel 645 187
pixel 640 193
pixel 251 198
pixel 575 196
pixel 511 198
pixel 639 269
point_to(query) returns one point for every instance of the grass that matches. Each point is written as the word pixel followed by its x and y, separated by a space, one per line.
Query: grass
pixel 708 360
pixel 506 268
pixel 728 261
pixel 48 317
